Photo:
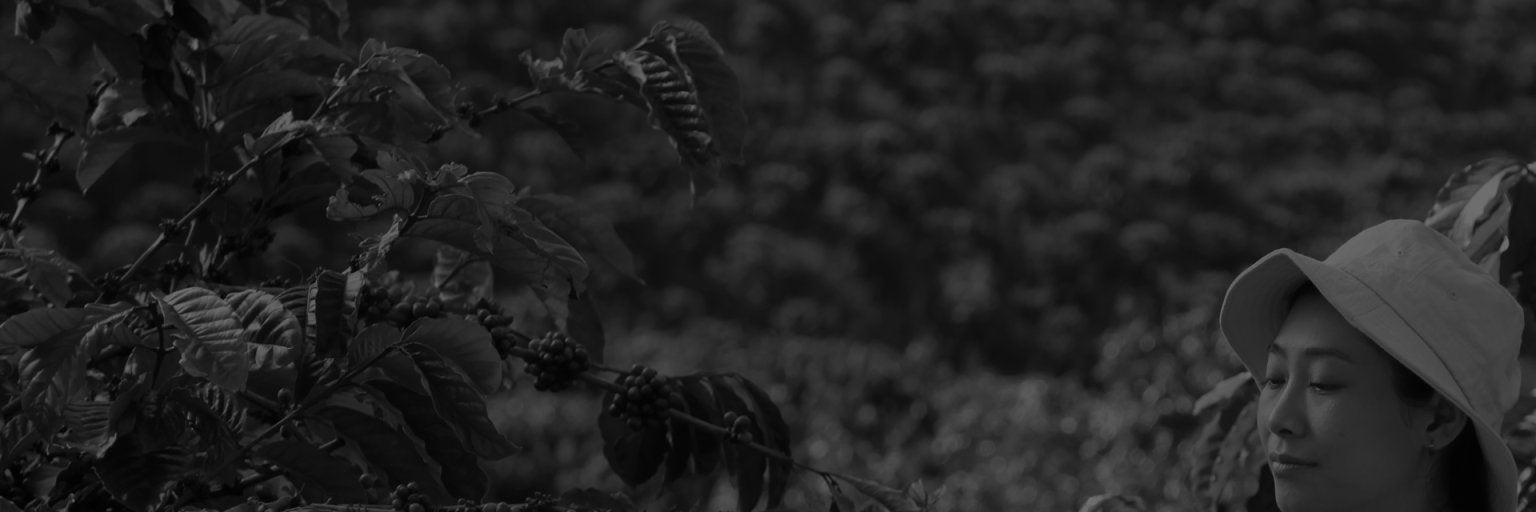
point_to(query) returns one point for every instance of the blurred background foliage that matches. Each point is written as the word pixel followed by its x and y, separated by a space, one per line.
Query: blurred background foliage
pixel 978 243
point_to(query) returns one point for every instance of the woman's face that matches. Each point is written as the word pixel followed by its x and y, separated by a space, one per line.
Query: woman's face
pixel 1337 434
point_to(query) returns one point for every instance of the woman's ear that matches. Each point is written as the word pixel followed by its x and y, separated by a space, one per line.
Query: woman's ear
pixel 1445 423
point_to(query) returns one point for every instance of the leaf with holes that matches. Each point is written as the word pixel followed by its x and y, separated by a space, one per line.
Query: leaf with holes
pixel 321 476
pixel 371 193
pixel 458 402
pixel 385 447
pixel 461 473
pixel 209 339
pixel 464 343
pixel 634 455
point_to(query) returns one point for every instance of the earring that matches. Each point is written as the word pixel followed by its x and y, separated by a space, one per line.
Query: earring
pixel 1432 445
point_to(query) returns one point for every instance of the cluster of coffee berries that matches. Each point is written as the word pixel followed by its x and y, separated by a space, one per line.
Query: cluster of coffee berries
pixel 398 309
pixel 740 427
pixel 408 497
pixel 556 361
pixel 374 303
pixel 645 399
pixel 488 314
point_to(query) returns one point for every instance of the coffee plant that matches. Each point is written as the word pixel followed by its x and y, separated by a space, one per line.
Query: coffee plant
pixel 191 380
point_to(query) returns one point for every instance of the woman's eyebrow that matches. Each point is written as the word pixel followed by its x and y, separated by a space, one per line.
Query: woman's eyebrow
pixel 1313 352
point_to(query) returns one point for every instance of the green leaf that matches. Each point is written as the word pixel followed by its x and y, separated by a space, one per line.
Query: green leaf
pixel 210 342
pixel 455 220
pixel 88 426
pixel 422 99
pixel 273 367
pixel 385 447
pixel 689 44
pixel 1460 187
pixel 372 192
pixel 264 318
pixel 49 273
pixel 773 429
pixel 461 472
pixel 634 455
pixel 135 474
pixel 53 373
pixel 585 229
pixel 321 476
pixel 266 86
pixel 459 403
pixel 700 402
pixel 262 43
pixel 680 455
pixel 38 326
pixel 892 499
pixel 1236 387
pixel 586 326
pixel 103 150
pixel 43 478
pixel 464 343
pixel 461 278
pixel 745 465
pixel 371 343
pixel 376 248
pixel 332 309
pixel 570 131
pixel 28 70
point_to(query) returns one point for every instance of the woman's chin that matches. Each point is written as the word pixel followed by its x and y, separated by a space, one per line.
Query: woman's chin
pixel 1294 498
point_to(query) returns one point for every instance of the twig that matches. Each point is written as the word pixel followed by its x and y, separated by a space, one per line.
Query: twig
pixel 474 118
pixel 221 186
pixel 47 163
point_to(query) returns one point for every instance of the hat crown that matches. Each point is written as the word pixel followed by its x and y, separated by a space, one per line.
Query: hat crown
pixel 1465 316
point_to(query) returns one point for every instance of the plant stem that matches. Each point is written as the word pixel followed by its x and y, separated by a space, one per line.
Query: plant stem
pixel 701 424
pixel 474 118
pixel 219 188
pixel 47 162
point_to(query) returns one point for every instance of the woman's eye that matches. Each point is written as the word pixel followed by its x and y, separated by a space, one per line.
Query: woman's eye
pixel 1274 382
pixel 1325 386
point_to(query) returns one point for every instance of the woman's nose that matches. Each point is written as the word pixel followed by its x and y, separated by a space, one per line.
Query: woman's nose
pixel 1285 408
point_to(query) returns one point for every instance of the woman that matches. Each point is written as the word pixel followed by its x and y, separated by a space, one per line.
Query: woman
pixel 1384 372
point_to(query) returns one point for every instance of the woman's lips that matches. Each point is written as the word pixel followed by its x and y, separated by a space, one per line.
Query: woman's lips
pixel 1284 465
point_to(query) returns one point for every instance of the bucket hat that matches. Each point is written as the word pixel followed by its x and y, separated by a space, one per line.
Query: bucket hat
pixel 1423 301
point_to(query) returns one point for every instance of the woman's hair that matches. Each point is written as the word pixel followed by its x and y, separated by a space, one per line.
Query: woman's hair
pixel 1462 462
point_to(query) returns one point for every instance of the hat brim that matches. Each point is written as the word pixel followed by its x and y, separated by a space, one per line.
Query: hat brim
pixel 1258 300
